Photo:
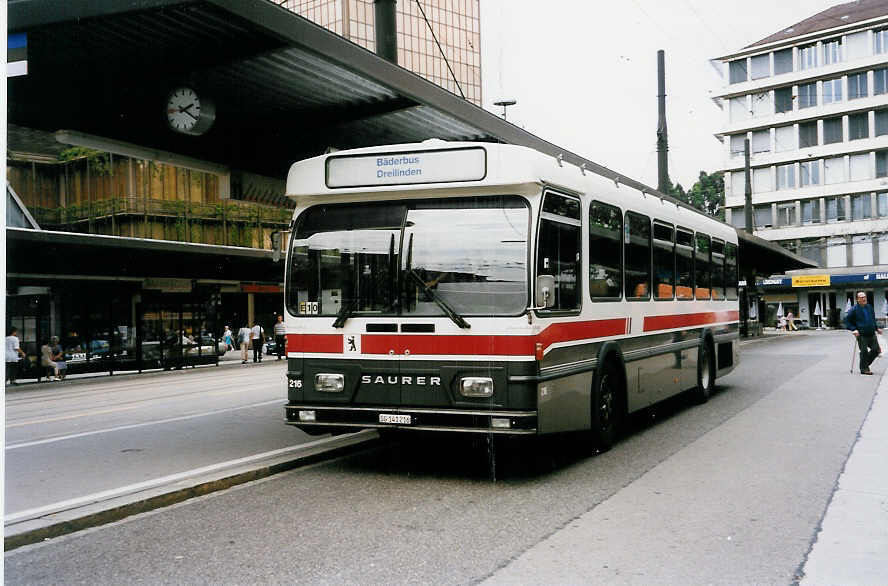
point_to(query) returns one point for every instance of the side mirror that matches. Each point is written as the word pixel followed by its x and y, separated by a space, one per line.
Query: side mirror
pixel 276 239
pixel 545 291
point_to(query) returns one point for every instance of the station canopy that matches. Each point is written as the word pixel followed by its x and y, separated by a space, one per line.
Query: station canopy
pixel 284 88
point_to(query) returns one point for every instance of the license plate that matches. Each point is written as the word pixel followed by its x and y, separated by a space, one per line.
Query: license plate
pixel 392 418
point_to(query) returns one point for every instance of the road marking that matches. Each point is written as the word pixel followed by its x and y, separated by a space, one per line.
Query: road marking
pixel 325 444
pixel 135 425
pixel 137 405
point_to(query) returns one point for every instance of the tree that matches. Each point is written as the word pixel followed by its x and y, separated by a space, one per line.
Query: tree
pixel 707 194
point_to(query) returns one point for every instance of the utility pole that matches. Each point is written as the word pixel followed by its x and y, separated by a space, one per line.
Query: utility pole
pixel 386 30
pixel 747 206
pixel 662 141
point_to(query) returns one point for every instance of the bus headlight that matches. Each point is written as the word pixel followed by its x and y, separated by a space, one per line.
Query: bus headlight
pixel 329 383
pixel 476 386
pixel 307 416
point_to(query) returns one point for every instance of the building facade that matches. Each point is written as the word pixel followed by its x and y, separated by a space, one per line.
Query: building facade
pixel 812 100
pixel 439 40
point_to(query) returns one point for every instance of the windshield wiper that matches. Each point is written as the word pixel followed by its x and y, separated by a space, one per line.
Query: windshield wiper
pixel 451 313
pixel 346 312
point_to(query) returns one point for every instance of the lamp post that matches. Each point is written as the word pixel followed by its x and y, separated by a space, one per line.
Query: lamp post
pixel 505 104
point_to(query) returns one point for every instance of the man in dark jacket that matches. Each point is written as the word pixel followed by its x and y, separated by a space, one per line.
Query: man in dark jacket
pixel 861 320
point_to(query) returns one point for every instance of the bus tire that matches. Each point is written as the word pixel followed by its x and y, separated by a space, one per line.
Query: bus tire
pixel 606 404
pixel 705 373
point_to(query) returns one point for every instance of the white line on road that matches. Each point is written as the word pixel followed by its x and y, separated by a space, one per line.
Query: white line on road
pixel 324 444
pixel 135 425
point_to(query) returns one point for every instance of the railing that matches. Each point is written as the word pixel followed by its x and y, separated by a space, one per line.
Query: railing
pixel 232 222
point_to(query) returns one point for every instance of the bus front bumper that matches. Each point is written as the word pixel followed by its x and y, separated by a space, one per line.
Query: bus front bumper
pixel 316 417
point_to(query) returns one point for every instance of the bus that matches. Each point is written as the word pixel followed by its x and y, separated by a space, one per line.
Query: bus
pixel 486 288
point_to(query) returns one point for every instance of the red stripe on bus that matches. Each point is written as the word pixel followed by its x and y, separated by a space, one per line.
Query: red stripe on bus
pixel 668 322
pixel 326 343
pixel 492 345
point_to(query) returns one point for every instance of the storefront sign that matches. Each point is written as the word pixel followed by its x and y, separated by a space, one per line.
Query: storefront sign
pixel 261 289
pixel 168 285
pixel 466 164
pixel 810 281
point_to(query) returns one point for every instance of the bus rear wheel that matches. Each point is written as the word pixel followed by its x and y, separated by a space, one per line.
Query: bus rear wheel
pixel 606 406
pixel 705 373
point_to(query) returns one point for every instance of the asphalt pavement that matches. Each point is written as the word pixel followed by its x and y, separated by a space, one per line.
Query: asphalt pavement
pixel 644 526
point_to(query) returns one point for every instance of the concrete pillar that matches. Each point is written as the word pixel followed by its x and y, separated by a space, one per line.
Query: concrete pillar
pixel 251 308
pixel 804 310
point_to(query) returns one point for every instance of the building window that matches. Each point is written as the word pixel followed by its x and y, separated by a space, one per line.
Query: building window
pixel 809 173
pixel 860 206
pixel 782 61
pixel 880 81
pixel 738 144
pixel 857 85
pixel 738 183
pixel 761 105
pixel 786 214
pixel 761 141
pixel 882 204
pixel 832 51
pixel 761 180
pixel 762 215
pixel 738 218
pixel 880 41
pixel 739 109
pixel 832 130
pixel 881 122
pixel 858 125
pixel 760 66
pixel 881 163
pixel 807 95
pixel 860 167
pixel 737 70
pixel 811 211
pixel 835 209
pixel 835 253
pixel 861 251
pixel 786 176
pixel 785 138
pixel 834 170
pixel 832 91
pixel 807 134
pixel 782 100
pixel 808 57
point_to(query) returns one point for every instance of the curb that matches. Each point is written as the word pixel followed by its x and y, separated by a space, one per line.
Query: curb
pixel 67 518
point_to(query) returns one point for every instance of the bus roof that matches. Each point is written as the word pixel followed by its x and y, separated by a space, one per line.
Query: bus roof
pixel 436 164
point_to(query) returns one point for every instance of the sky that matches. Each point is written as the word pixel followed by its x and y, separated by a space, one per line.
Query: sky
pixel 584 73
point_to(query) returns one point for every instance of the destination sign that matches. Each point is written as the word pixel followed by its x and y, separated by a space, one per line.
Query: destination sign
pixel 444 166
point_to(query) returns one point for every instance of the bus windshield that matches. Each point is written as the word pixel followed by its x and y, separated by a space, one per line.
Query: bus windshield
pixel 465 256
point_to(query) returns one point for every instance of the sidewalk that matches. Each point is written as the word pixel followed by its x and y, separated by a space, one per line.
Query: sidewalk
pixel 230 358
pixel 852 544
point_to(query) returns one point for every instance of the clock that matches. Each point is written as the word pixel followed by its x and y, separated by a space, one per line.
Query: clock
pixel 188 113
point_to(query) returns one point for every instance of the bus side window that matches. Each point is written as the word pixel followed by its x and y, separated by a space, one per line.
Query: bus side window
pixel 558 248
pixel 664 261
pixel 637 246
pixel 718 268
pixel 702 267
pixel 684 264
pixel 731 276
pixel 605 251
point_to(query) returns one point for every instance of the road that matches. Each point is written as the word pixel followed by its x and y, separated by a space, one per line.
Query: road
pixel 730 492
pixel 81 437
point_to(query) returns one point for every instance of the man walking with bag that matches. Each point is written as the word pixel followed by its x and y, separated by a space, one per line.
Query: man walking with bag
pixel 861 320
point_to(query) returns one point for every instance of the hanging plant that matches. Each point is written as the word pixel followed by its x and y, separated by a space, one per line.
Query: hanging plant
pixel 99 162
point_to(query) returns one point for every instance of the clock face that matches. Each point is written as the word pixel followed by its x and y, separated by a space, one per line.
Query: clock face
pixel 187 113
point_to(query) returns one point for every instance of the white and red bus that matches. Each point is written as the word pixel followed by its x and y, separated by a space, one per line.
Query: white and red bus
pixel 489 288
